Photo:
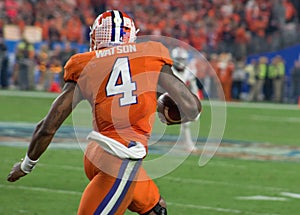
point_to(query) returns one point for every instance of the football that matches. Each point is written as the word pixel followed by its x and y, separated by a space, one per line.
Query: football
pixel 168 110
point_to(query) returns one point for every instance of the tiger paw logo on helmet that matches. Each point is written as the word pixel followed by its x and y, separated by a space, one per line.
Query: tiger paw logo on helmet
pixel 112 28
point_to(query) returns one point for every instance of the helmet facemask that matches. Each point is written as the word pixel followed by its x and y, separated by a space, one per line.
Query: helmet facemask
pixel 110 29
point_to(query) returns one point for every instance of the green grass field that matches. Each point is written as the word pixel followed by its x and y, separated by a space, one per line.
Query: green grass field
pixel 224 186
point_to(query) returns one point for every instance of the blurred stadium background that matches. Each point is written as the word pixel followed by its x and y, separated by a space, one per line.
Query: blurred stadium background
pixel 255 171
pixel 230 33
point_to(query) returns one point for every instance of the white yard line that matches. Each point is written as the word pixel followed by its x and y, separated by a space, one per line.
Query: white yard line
pixel 40 189
pixel 199 207
pixel 224 164
pixel 214 163
pixel 224 210
pixel 177 179
pixel 181 180
pixel 23 211
pixel 220 183
pixel 188 180
pixel 275 119
pixel 261 198
pixel 291 195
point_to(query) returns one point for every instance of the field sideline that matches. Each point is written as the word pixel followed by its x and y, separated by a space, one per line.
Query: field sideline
pixel 231 183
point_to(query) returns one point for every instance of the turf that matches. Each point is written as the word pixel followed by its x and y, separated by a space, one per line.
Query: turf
pixel 271 123
pixel 56 184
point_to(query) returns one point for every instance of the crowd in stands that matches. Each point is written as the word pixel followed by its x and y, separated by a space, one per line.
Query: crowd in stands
pixel 236 26
pixel 258 80
pixel 214 27
pixel 240 27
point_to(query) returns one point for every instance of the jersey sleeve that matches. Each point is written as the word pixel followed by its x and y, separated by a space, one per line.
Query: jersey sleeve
pixel 75 66
pixel 165 55
pixel 158 51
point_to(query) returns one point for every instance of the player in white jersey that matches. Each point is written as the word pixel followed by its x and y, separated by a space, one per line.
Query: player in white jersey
pixel 180 69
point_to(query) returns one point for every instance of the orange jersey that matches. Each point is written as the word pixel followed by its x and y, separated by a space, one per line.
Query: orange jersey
pixel 120 84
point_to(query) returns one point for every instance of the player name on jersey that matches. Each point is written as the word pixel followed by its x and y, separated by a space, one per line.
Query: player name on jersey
pixel 116 50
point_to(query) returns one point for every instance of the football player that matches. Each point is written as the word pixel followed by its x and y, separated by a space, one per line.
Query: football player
pixel 118 77
pixel 180 69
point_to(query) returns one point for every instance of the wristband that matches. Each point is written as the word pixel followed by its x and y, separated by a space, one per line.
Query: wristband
pixel 27 164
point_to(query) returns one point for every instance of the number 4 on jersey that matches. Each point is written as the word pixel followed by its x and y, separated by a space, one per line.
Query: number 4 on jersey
pixel 120 82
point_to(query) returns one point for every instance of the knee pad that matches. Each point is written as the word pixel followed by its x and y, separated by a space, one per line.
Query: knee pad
pixel 158 210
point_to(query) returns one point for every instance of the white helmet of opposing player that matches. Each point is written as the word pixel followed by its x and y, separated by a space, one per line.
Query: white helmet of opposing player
pixel 179 56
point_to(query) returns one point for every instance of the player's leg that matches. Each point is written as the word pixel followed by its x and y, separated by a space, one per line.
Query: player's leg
pixel 147 199
pixel 187 136
pixel 94 194
pixel 159 209
pixel 108 193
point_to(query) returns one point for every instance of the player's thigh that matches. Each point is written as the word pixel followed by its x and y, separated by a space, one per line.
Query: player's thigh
pixel 108 194
pixel 94 194
pixel 146 194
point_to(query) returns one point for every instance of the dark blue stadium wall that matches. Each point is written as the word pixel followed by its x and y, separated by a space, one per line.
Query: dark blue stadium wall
pixel 288 54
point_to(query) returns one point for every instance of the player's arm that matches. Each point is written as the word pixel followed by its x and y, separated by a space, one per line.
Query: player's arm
pixel 186 100
pixel 59 111
pixel 46 129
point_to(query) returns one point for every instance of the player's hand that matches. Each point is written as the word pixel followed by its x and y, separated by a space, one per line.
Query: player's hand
pixel 15 173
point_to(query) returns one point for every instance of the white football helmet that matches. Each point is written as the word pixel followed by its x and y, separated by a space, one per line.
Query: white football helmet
pixel 179 56
pixel 112 28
